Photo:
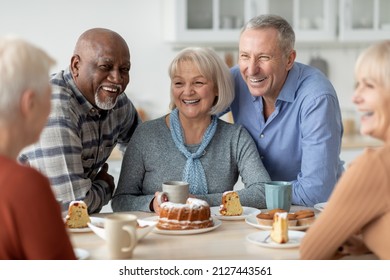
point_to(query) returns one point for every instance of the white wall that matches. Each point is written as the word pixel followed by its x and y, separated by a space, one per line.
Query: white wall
pixel 55 26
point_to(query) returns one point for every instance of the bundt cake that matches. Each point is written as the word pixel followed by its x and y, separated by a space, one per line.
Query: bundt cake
pixel 195 214
pixel 231 205
pixel 77 215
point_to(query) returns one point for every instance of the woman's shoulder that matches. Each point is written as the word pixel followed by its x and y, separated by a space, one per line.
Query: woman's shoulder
pixel 151 128
pixel 225 125
pixel 154 123
pixel 29 180
pixel 377 159
pixel 232 129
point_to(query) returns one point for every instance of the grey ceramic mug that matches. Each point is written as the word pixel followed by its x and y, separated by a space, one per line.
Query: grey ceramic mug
pixel 176 191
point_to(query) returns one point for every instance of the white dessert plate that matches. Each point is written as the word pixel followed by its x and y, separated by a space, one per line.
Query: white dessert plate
pixel 259 238
pixel 252 221
pixel 94 220
pixel 246 212
pixel 142 231
pixel 320 206
pixel 217 223
pixel 81 254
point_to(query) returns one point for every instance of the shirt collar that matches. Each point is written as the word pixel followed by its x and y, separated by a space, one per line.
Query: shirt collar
pixel 84 103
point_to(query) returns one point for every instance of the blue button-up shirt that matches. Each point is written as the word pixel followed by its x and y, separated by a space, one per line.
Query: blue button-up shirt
pixel 301 140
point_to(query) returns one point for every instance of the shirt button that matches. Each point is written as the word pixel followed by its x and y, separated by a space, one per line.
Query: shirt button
pixel 261 135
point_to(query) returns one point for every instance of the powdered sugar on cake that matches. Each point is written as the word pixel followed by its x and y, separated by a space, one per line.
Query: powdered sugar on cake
pixel 194 214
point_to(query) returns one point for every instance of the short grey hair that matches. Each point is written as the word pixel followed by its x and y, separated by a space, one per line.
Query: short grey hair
pixel 22 66
pixel 286 32
pixel 213 68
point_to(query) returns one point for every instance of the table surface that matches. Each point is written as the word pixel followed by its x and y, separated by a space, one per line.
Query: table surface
pixel 228 241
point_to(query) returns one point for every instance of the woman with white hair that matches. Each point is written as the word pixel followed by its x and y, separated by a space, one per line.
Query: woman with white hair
pixel 356 219
pixel 30 217
pixel 191 144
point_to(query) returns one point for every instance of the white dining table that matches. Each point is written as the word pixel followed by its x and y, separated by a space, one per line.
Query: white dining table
pixel 226 242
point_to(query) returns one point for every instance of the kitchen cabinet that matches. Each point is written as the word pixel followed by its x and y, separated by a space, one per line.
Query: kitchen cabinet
pixel 364 20
pixel 312 20
pixel 203 21
pixel 219 21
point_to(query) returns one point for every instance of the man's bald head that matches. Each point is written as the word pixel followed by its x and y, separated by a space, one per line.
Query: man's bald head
pixel 97 36
pixel 101 60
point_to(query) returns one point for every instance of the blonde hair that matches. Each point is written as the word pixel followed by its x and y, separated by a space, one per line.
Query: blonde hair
pixel 213 68
pixel 22 66
pixel 374 63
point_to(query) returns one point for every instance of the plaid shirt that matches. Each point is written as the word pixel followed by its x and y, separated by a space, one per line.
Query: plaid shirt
pixel 77 141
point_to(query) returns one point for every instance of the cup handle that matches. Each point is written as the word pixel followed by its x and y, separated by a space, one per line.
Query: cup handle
pixel 159 197
pixel 133 238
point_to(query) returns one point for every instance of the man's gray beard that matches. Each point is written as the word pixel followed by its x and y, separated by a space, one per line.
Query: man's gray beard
pixel 106 105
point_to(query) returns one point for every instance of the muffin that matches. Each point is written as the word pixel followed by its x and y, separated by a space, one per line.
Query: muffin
pixel 277 210
pixel 264 219
pixel 292 219
pixel 305 217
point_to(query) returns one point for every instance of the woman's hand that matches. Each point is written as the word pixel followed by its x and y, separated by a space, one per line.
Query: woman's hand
pixel 157 200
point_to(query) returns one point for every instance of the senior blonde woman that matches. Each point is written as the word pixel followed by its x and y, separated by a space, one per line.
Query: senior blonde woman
pixel 356 219
pixel 31 225
pixel 191 144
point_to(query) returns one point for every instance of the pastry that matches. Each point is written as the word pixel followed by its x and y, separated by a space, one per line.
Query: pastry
pixel 279 232
pixel 194 214
pixel 277 210
pixel 305 217
pixel 231 205
pixel 264 219
pixel 292 219
pixel 77 216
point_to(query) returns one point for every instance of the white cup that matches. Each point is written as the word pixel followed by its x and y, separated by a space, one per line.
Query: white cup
pixel 121 235
pixel 176 191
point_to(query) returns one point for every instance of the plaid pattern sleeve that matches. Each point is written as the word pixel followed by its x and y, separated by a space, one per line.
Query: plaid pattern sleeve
pixel 77 141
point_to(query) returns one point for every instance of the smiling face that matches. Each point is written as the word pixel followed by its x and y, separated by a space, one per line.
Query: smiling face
pixel 100 68
pixel 262 64
pixel 372 101
pixel 372 91
pixel 193 94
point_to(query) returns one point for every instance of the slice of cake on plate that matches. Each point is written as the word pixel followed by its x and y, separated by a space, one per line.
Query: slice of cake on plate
pixel 279 232
pixel 231 205
pixel 77 215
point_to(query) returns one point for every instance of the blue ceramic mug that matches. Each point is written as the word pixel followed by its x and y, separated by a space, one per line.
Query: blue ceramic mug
pixel 278 195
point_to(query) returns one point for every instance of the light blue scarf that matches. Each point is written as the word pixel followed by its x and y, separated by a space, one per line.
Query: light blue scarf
pixel 193 172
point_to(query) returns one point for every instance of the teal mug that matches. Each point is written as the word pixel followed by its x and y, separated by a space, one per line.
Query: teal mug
pixel 278 195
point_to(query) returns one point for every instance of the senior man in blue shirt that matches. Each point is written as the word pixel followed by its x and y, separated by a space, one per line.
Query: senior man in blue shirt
pixel 290 109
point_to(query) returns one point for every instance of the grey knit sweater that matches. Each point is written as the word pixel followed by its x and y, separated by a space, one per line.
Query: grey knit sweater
pixel 152 158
